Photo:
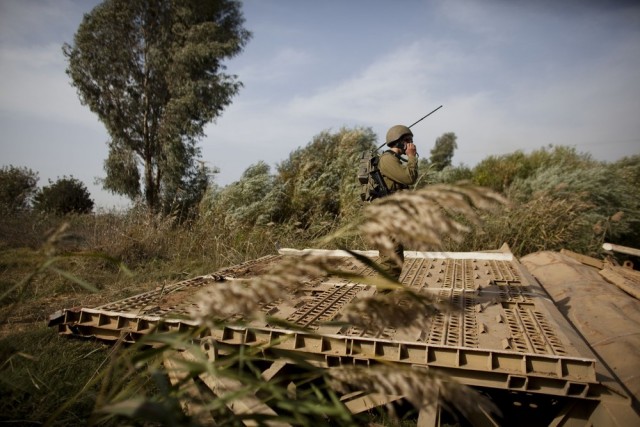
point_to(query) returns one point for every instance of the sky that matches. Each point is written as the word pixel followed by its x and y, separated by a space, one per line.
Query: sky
pixel 510 74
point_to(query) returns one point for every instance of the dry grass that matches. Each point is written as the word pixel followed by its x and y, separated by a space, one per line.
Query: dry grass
pixel 420 219
pixel 545 222
pixel 421 387
pixel 423 220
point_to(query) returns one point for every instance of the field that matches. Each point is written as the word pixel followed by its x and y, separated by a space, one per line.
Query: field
pixel 49 262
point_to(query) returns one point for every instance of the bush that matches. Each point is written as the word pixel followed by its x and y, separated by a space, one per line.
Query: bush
pixel 559 207
pixel 318 182
pixel 499 172
pixel 248 201
pixel 66 195
pixel 448 175
pixel 17 188
pixel 316 185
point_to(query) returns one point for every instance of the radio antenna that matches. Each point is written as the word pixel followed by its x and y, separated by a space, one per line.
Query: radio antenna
pixel 426 116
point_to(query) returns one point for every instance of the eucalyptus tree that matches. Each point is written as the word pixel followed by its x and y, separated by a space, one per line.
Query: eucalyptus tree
pixel 443 150
pixel 153 73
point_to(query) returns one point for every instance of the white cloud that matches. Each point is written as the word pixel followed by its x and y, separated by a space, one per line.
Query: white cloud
pixel 285 63
pixel 387 87
pixel 33 82
pixel 510 76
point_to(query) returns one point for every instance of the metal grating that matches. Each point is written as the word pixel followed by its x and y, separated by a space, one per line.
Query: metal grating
pixel 502 334
pixel 326 306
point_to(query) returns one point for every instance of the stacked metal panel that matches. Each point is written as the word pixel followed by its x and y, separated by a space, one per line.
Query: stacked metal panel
pixel 504 334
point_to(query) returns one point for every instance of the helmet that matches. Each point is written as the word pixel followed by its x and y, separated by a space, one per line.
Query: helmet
pixel 396 132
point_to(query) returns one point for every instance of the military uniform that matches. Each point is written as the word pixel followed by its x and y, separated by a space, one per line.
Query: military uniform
pixel 397 177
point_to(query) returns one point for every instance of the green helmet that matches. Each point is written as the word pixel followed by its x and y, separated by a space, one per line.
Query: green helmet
pixel 396 132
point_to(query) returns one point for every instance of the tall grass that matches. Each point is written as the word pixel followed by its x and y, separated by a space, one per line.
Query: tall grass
pixel 316 401
pixel 47 263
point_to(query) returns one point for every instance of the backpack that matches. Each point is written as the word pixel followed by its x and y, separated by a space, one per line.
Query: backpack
pixel 372 185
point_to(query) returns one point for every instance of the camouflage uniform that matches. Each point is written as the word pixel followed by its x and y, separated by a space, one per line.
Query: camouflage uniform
pixel 397 177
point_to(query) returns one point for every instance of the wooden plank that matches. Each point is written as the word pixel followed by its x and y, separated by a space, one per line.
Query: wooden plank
pixel 273 370
pixel 429 417
pixel 584 259
pixel 621 249
pixel 366 402
pixel 616 277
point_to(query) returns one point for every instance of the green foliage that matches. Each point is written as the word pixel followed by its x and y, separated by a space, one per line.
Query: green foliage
pixel 576 208
pixel 612 205
pixel 123 176
pixel 542 223
pixel 319 181
pixel 498 172
pixel 558 199
pixel 448 175
pixel 66 195
pixel 627 175
pixel 443 150
pixel 315 186
pixel 182 197
pixel 248 201
pixel 17 188
pixel 42 374
pixel 152 72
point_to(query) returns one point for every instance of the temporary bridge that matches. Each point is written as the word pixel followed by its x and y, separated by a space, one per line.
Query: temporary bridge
pixel 508 338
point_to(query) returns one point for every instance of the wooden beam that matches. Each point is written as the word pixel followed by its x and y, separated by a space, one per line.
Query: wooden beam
pixel 359 402
pixel 621 249
pixel 616 276
pixel 583 259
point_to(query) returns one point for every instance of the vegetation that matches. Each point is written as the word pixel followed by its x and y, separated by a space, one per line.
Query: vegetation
pixel 554 198
pixel 66 195
pixel 152 72
pixel 17 188
pixel 314 189
pixel 443 150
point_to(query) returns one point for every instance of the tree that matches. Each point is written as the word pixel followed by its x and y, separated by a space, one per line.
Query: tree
pixel 442 151
pixel 66 195
pixel 319 180
pixel 248 201
pixel 152 72
pixel 17 188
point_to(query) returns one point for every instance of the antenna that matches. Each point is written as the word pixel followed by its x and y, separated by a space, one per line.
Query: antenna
pixel 426 116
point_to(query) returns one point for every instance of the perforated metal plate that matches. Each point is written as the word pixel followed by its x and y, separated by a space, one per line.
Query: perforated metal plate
pixel 505 332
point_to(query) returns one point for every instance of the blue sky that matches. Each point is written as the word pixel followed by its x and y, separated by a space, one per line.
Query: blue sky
pixel 512 75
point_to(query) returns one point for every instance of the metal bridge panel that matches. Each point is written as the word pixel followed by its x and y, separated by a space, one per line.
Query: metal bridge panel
pixel 503 333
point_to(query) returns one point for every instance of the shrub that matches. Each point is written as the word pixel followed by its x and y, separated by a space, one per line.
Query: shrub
pixel 499 172
pixel 17 188
pixel 248 201
pixel 319 181
pixel 66 195
pixel 576 208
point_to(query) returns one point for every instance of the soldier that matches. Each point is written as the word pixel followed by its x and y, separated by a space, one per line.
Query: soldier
pixel 398 177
